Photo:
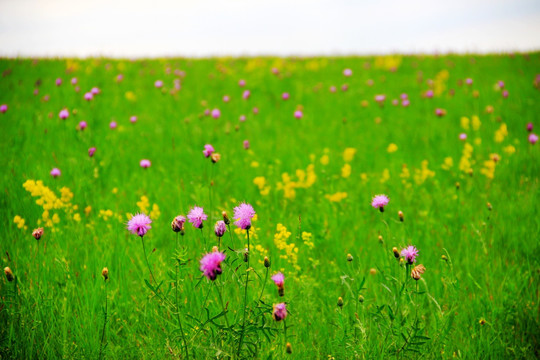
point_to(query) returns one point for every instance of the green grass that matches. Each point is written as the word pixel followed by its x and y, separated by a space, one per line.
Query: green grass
pixel 480 301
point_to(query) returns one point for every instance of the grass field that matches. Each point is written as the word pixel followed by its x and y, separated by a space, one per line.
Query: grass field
pixel 314 163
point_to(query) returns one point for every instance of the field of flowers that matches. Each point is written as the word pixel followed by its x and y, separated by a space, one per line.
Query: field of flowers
pixel 317 208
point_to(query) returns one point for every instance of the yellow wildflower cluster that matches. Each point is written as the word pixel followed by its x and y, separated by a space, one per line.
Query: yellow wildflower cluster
pixel 260 182
pixel 252 231
pixel 489 166
pixel 392 148
pixel 306 178
pixel 391 62
pixel 448 163
pixel 337 197
pixel 404 175
pixel 291 251
pixel 105 214
pixel 21 223
pixel 439 84
pixel 509 149
pixel 476 123
pixel 465 162
pixel 385 176
pixel 465 122
pixel 348 154
pixel 422 174
pixel 48 200
pixel 262 251
pixel 144 206
pixel 501 133
pixel 325 160
pixel 308 239
pixel 346 171
pixel 155 213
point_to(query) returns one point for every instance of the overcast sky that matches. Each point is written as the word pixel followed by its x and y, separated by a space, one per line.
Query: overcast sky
pixel 132 28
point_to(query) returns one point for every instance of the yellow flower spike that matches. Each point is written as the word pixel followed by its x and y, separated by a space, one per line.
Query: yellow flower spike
pixel 392 148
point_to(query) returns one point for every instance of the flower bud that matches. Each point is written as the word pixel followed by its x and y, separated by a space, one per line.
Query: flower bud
pixel 360 298
pixel 105 273
pixel 215 157
pixel 381 239
pixel 9 274
pixel 489 207
pixel 400 214
pixel 226 219
pixel 246 255
pixel 396 252
pixel 349 258
pixel 215 249
pixel 266 262
pixel 340 302
pixel 482 321
pixel 457 185
pixel 37 233
pixel 444 258
pixel 289 348
pixel 177 224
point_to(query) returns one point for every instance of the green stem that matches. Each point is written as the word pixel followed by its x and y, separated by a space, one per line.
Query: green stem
pixel 147 263
pixel 264 285
pixel 203 238
pixel 177 305
pixel 222 305
pixel 104 325
pixel 245 300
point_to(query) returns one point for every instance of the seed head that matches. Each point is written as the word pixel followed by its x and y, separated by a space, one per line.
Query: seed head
pixel 105 273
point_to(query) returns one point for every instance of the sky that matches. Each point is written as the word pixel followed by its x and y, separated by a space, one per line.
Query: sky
pixel 133 28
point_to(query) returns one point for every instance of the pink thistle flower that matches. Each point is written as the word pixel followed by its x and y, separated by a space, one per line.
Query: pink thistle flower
pixel 158 84
pixel 344 87
pixel 255 110
pixel 64 113
pixel 113 125
pixel 206 112
pixel 196 216
pixel 380 98
pixel 370 82
pixel 3 108
pixel 91 151
pixel 82 125
pixel 208 150
pixel 55 172
pixel 220 228
pixel 409 253
pixel 468 81
pixel 404 96
pixel 77 88
pixel 139 224
pixel 529 126
pixel 243 214
pixel 533 138
pixel 298 114
pixel 242 83
pixel 36 92
pixel 95 91
pixel 119 78
pixel 505 93
pixel 246 144
pixel 428 94
pixel 246 94
pixel 333 89
pixel 462 136
pixel 275 71
pixel 280 311
pixel 395 102
pixel 285 96
pixel 88 96
pixel 216 113
pixel 440 112
pixel 242 118
pixel 58 82
pixel 145 163
pixel 380 201
pixel 46 98
pixel 347 72
pixel 501 84
pixel 405 103
pixel 133 119
pixel 279 280
pixel 178 224
pixel 226 98
pixel 74 81
pixel 211 264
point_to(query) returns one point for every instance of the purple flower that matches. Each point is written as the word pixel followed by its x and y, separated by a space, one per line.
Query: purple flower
pixel 158 84
pixel 404 96
pixel 133 119
pixel 3 108
pixel 344 87
pixel 55 172
pixel 91 151
pixel 380 98
pixel 279 280
pixel 208 150
pixel 220 228
pixel 145 163
pixel 255 110
pixel 405 103
pixel 139 224
pixel 242 83
pixel 505 93
pixel 529 125
pixel 119 78
pixel 275 71
pixel 242 118
pixel 113 125
pixel 280 311
pixel 216 113
pixel 95 91
pixel 211 264
pixel 468 81
pixel 298 114
pixel 380 201
pixel 462 136
pixel 332 89
pixel 440 112
pixel 74 81
pixel 501 84
pixel 246 144
pixel 82 125
pixel 395 102
pixel 64 113
pixel 409 253
pixel 196 216
pixel 178 223
pixel 533 138
pixel 347 72
pixel 58 82
pixel 429 94
pixel 246 94
pixel 285 96
pixel 243 214
pixel 226 98
pixel 88 96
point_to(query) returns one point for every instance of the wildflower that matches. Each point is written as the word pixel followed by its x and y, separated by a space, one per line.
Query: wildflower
pixel 74 81
pixel 380 201
pixel 243 214
pixel 226 219
pixel 3 108
pixel 211 264
pixel 105 273
pixel 380 99
pixel 133 119
pixel 216 113
pixel 347 72
pixel 340 302
pixel 288 348
pixel 482 321
pixel 396 252
pixel 500 83
pixel 226 98
pixel 505 93
pixel 215 157
pixel 400 214
pixel 373 271
pixel 9 274
pixel 58 82
pixel 82 125
pixel 533 138
pixel 349 257
pixel 530 127
pixel 91 151
pixel 409 253
pixel 298 114
pixel 88 96
pixel 279 280
pixel 246 94
pixel 360 298
pixel 255 110
pixel 37 233
pixel 113 125
pixel 469 81
pixel 158 84
pixel 405 103
pixel 63 114
pixel 333 89
pixel 280 311
pixel 95 91
pixel 285 96
pixel 440 112
pixel 145 163
pixel 242 118
pixel 208 150
pixel 177 224
pixel 417 271
pixel 196 217
pixel 266 262
pixel 246 144
pixel 489 206
pixel 220 228
pixel 428 94
pixel 242 83
pixel 139 224
pixel 462 136
pixel 55 172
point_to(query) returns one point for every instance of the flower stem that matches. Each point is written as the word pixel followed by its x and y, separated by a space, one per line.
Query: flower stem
pixel 104 324
pixel 264 285
pixel 177 305
pixel 245 300
pixel 147 263
pixel 222 305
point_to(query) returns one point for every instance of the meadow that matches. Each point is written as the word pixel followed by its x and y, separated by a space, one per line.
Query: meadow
pixel 308 143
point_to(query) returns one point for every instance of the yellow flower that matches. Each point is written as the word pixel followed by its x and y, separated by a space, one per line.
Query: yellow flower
pixel 509 149
pixel 392 148
pixel 337 197
pixel 385 176
pixel 325 160
pixel 476 123
pixel 465 122
pixel 77 217
pixel 348 154
pixel 501 133
pixel 346 171
pixel 448 163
